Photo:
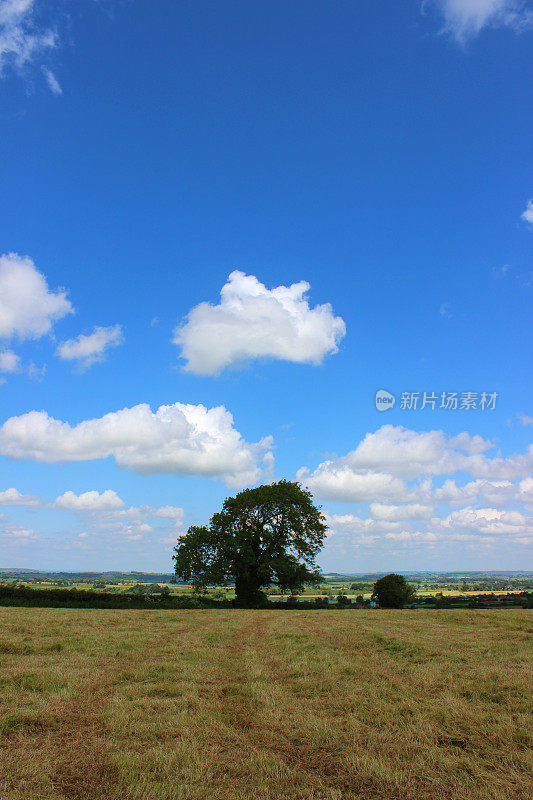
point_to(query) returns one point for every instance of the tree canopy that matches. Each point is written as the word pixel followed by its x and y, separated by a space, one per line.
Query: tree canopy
pixel 262 536
pixel 393 591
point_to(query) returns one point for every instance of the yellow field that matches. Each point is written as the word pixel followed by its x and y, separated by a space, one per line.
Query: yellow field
pixel 269 705
pixel 457 592
pixel 421 593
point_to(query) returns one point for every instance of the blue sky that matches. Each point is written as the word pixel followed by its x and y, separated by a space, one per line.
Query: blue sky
pixel 223 227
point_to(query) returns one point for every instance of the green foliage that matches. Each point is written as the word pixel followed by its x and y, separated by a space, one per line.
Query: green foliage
pixel 81 598
pixel 263 536
pixel 393 591
pixel 342 600
pixel 137 588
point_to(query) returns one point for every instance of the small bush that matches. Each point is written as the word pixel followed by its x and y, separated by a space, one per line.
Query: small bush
pixel 343 601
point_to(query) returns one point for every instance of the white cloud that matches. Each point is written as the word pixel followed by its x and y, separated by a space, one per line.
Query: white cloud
pixel 464 19
pixel 105 516
pixel 392 470
pixel 176 439
pixel 169 512
pixel 90 348
pixel 252 321
pixel 470 444
pixel 9 361
pixel 377 468
pixel 51 80
pixel 402 536
pixel 12 497
pixel 488 521
pixel 525 420
pixel 400 451
pixel 337 481
pixel 359 526
pixel 406 536
pixel 107 523
pixel 130 524
pixel 472 526
pixel 27 306
pixel 22 40
pixel 89 501
pixel 36 373
pixel 400 513
pixel 29 31
pixel 13 534
pixel 499 492
pixel 525 491
pixel 145 528
pixel 527 215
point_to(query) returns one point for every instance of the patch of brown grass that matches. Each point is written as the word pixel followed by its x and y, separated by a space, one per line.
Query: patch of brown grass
pixel 290 705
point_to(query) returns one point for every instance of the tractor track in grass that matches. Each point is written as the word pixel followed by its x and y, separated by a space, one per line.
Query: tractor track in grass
pixel 322 771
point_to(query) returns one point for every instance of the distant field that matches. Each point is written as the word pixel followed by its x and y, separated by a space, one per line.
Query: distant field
pixel 308 594
pixel 242 705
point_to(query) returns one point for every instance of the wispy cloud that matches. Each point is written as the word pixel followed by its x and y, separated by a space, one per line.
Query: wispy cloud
pixel 9 361
pixel 22 38
pixel 30 31
pixel 88 349
pixel 52 81
pixel 527 215
pixel 501 272
pixel 465 19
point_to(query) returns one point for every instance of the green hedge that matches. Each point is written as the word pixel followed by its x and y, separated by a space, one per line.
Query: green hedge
pixel 84 598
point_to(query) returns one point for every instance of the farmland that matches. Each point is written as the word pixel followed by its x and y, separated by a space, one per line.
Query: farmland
pixel 296 705
pixel 436 585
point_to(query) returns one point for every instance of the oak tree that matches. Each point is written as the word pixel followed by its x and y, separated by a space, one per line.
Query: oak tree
pixel 263 536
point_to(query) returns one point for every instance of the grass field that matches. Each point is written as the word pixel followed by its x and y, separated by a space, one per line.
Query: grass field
pixel 269 705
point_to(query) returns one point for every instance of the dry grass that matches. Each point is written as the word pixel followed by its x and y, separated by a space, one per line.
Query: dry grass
pixel 289 705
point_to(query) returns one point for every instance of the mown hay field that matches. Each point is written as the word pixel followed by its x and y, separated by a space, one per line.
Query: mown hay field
pixel 269 705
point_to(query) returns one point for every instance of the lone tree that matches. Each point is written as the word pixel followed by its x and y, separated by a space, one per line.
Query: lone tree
pixel 393 591
pixel 263 536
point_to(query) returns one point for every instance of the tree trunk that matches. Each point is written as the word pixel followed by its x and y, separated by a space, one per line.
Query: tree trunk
pixel 248 588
